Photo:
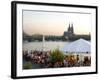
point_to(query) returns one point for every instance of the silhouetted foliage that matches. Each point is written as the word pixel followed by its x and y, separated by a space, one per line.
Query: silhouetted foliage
pixel 56 56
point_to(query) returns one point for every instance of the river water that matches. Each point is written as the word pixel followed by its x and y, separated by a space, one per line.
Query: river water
pixel 48 45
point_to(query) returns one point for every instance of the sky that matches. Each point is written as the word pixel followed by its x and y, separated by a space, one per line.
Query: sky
pixel 55 23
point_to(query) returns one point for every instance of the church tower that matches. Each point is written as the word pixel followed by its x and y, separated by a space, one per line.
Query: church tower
pixel 72 29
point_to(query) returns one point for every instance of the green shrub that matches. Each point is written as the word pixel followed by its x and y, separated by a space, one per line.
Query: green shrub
pixel 27 65
pixel 56 56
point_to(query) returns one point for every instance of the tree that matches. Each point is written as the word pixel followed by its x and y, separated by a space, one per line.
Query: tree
pixel 56 56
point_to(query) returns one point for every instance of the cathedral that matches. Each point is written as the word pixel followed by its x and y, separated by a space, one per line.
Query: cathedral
pixel 69 32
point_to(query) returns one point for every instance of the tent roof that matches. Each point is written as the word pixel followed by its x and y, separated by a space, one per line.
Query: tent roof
pixel 78 46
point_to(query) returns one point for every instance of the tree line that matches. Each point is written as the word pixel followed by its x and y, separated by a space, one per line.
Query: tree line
pixel 55 38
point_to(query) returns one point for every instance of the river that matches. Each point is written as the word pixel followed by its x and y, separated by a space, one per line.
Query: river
pixel 47 45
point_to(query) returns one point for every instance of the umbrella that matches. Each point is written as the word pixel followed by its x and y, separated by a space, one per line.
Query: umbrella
pixel 78 46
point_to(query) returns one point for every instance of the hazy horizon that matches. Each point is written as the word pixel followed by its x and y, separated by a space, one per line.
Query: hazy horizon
pixel 53 23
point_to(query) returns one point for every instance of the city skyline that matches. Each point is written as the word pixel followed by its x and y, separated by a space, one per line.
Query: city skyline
pixel 53 23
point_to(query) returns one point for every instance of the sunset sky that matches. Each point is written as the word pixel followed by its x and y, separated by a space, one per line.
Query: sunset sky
pixel 55 23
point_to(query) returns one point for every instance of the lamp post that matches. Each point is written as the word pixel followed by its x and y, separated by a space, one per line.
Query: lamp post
pixel 43 43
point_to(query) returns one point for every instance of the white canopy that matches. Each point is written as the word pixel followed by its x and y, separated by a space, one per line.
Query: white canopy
pixel 78 46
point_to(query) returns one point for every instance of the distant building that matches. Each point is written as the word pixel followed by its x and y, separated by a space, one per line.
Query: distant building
pixel 70 35
pixel 69 32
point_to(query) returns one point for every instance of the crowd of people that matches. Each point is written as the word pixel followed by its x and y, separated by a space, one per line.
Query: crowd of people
pixel 76 61
pixel 43 59
pixel 37 57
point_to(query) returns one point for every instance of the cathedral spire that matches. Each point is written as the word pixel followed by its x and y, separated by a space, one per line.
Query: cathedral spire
pixel 72 29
